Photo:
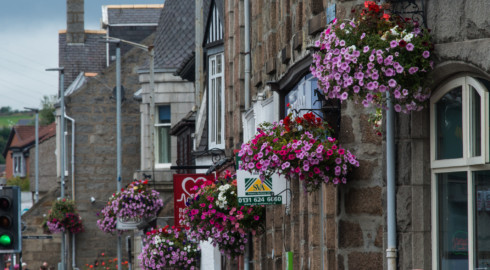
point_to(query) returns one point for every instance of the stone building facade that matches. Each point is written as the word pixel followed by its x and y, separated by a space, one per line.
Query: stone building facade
pixel 354 219
pixel 93 106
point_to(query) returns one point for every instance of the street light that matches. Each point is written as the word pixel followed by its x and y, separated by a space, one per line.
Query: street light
pixel 36 196
pixel 118 41
pixel 61 70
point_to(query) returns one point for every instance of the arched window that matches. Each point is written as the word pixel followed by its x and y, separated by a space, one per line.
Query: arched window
pixel 460 174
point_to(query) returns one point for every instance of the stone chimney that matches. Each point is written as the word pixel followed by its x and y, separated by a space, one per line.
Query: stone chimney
pixel 75 29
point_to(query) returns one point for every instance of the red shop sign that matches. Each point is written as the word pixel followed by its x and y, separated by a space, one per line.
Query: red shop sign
pixel 183 184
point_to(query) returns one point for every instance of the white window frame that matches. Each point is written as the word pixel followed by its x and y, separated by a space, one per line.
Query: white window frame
pixel 213 116
pixel 466 164
pixel 18 159
pixel 157 126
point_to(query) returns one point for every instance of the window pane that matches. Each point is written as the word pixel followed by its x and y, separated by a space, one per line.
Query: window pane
pixel 449 133
pixel 164 145
pixel 453 220
pixel 482 218
pixel 213 110
pixel 164 114
pixel 475 123
pixel 219 124
pixel 218 63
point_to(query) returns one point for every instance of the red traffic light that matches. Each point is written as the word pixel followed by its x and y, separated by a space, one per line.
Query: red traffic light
pixel 5 203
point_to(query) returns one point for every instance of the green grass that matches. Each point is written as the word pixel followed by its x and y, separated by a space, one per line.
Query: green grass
pixel 10 120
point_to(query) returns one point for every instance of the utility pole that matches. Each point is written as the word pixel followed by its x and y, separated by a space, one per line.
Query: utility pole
pixel 36 196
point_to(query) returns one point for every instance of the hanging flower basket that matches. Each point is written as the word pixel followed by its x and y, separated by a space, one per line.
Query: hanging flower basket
pixel 63 217
pixel 300 147
pixel 137 201
pixel 373 54
pixel 213 213
pixel 169 248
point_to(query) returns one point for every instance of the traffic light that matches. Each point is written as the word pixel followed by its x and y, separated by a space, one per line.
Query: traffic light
pixel 10 226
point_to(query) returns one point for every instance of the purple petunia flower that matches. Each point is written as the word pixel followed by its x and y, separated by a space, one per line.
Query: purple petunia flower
pixel 409 47
pixel 412 70
pixel 426 54
pixel 392 83
pixel 397 107
pixel 393 43
pixel 389 72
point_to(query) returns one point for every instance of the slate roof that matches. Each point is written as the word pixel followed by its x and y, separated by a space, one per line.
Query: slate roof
pixel 175 35
pixel 131 14
pixel 27 136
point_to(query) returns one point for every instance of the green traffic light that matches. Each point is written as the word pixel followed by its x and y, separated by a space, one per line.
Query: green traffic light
pixel 5 240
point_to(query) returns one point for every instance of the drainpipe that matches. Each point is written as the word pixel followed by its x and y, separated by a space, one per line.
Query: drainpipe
pixel 390 182
pixel 118 139
pixel 390 185
pixel 246 11
pixel 72 156
pixel 246 4
pixel 73 246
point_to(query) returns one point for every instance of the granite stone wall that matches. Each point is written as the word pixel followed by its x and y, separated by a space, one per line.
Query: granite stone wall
pixel 47 166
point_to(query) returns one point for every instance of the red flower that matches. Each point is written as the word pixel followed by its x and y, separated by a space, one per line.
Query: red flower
pixel 402 43
pixel 368 3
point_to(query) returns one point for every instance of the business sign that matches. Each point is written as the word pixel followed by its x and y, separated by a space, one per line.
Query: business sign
pixel 253 191
pixel 183 189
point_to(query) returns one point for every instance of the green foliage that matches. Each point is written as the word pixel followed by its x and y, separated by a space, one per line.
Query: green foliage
pixel 5 109
pixel 4 136
pixel 46 114
pixel 23 183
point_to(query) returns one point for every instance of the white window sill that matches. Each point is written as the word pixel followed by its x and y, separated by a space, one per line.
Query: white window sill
pixel 164 166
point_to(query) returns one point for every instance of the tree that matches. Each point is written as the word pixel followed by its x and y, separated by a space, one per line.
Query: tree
pixel 4 136
pixel 46 114
pixel 5 110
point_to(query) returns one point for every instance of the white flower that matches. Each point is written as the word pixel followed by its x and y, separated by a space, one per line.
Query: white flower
pixel 352 48
pixel 394 31
pixel 408 37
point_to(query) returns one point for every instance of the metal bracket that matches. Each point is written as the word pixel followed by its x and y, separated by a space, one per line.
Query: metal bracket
pixel 413 9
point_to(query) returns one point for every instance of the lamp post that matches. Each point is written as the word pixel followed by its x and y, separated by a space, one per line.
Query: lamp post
pixel 151 53
pixel 36 195
pixel 118 41
pixel 118 132
pixel 61 70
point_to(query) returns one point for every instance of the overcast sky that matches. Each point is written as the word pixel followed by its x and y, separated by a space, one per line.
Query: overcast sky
pixel 29 45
